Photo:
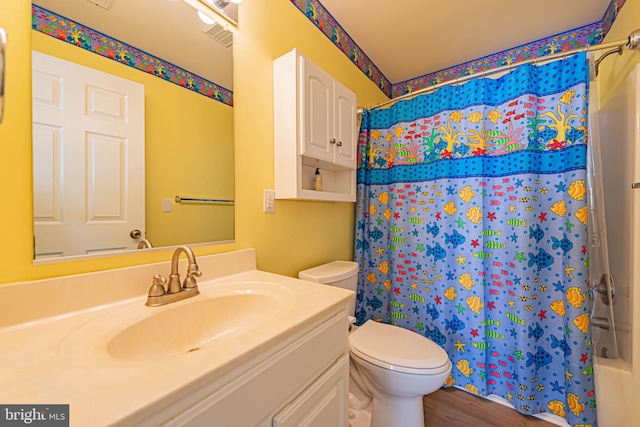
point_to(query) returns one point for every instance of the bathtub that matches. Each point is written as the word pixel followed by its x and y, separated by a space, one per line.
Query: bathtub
pixel 614 393
pixel 617 380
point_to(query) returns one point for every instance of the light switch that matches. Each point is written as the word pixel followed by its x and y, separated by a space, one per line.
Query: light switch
pixel 269 201
pixel 166 205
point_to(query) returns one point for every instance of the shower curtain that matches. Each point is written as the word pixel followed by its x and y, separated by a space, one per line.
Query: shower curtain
pixel 472 231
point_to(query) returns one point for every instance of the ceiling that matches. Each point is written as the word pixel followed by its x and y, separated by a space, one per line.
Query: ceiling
pixel 407 39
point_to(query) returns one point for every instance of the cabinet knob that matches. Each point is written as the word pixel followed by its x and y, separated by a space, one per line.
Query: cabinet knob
pixel 332 141
pixel 339 143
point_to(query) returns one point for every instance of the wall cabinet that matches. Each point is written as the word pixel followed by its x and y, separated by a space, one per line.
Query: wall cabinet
pixel 314 128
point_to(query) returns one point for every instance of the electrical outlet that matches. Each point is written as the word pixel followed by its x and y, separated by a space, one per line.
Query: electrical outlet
pixel 269 201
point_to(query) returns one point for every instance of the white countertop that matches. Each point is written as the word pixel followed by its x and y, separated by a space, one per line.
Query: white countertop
pixel 62 359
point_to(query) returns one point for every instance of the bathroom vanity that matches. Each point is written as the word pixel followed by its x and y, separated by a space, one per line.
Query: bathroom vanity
pixel 252 349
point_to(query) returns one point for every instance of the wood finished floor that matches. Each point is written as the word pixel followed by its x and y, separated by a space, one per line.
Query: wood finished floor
pixel 452 407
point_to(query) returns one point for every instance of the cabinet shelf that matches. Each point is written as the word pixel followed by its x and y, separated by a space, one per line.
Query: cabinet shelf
pixel 336 181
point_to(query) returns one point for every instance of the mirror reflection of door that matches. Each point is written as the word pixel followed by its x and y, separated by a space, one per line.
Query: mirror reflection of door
pixel 88 159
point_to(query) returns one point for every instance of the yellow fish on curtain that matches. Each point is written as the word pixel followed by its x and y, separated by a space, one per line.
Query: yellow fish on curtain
pixel 472 231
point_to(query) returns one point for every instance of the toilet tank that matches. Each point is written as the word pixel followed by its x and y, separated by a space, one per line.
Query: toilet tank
pixel 341 274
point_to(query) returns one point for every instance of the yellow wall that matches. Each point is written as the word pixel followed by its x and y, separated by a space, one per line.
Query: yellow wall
pixel 616 68
pixel 297 236
pixel 15 145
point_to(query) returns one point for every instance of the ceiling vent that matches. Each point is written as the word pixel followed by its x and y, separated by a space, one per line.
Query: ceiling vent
pixel 105 4
pixel 219 33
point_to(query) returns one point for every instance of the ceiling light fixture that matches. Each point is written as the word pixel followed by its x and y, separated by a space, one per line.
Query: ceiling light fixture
pixel 211 10
pixel 206 19
pixel 221 4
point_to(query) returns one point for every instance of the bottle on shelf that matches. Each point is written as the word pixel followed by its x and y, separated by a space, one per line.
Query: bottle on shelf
pixel 317 180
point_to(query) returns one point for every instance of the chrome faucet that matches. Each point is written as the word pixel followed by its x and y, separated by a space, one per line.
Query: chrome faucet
pixel 163 292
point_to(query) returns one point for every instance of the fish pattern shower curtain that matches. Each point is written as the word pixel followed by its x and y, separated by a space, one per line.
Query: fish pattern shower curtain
pixel 472 231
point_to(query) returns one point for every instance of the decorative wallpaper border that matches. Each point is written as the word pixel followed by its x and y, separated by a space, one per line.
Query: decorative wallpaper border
pixel 563 42
pixel 588 35
pixel 74 33
pixel 326 23
pixel 610 15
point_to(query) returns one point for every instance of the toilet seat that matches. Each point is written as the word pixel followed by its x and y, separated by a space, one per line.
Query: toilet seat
pixel 398 349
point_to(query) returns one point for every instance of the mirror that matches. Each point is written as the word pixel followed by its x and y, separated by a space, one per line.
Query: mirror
pixel 187 126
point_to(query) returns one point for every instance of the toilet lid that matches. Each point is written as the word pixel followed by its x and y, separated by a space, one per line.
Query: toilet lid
pixel 384 344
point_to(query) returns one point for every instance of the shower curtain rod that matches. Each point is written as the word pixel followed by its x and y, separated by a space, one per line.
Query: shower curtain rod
pixel 632 43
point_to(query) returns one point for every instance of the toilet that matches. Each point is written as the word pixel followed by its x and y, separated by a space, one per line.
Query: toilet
pixel 392 368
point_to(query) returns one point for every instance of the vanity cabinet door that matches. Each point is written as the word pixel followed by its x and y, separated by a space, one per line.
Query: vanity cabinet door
pixel 321 404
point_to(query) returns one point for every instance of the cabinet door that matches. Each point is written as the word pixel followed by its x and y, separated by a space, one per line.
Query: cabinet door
pixel 324 403
pixel 316 112
pixel 345 126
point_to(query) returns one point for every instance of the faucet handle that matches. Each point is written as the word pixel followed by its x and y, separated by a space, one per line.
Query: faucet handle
pixel 192 273
pixel 158 287
pixel 194 270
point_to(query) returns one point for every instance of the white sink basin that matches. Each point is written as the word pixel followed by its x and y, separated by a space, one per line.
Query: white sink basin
pixel 189 327
pixel 136 332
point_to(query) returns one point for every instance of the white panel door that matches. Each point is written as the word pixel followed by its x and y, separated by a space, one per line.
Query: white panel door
pixel 88 159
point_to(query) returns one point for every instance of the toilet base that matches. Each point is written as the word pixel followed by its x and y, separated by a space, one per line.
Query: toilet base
pixel 382 411
pixel 391 411
pixel 400 401
pixel 359 400
pixel 359 417
pixel 411 414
